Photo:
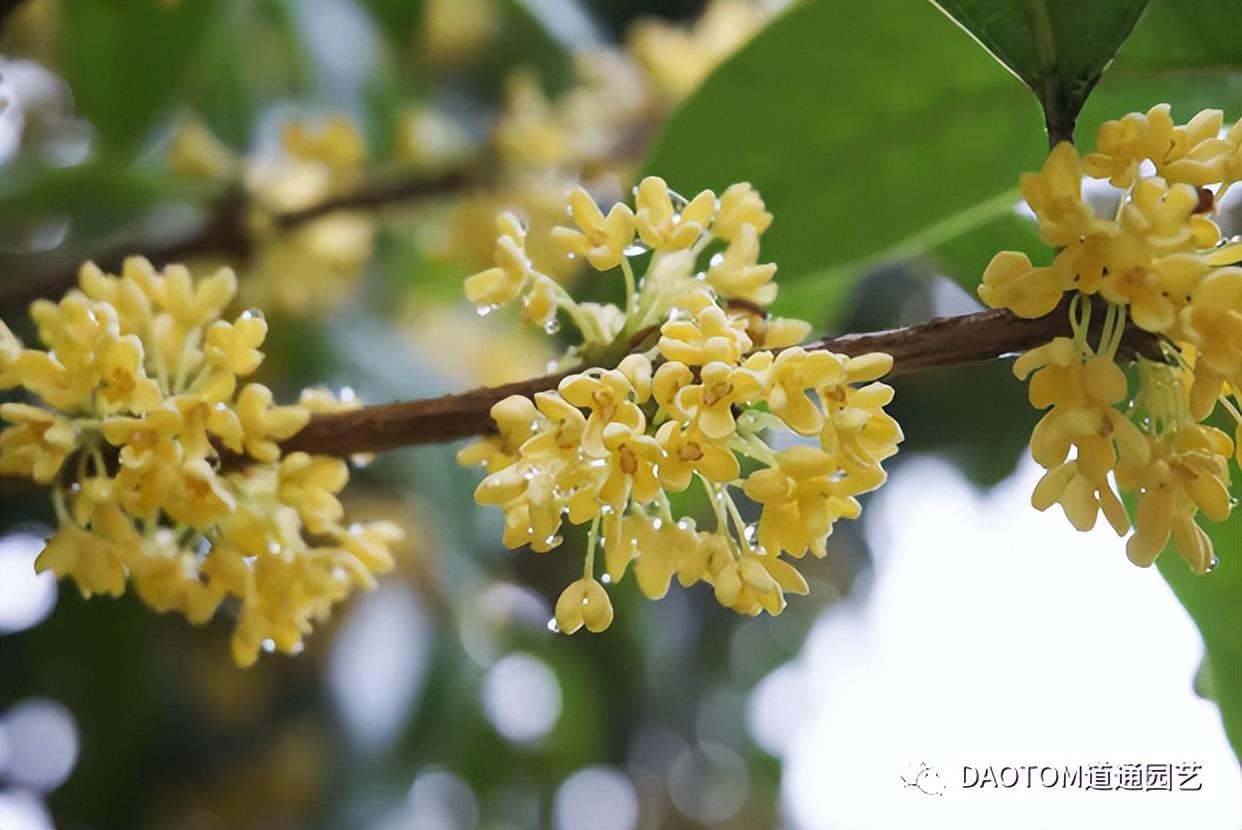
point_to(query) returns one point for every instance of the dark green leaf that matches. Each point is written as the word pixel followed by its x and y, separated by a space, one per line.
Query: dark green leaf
pixel 125 61
pixel 1183 52
pixel 97 198
pixel 1059 48
pixel 853 171
pixel 1214 600
pixel 1187 53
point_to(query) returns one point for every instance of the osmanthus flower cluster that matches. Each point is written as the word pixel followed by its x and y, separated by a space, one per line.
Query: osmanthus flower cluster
pixel 1160 263
pixel 725 401
pixel 317 159
pixel 138 396
pixel 595 131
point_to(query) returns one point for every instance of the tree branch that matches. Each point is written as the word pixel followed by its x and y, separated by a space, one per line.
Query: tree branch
pixel 222 232
pixel 945 341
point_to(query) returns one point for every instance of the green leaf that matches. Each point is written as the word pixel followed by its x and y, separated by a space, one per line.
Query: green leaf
pixel 1186 53
pixel 95 197
pixel 125 61
pixel 855 171
pixel 1214 601
pixel 1059 48
pixel 1183 52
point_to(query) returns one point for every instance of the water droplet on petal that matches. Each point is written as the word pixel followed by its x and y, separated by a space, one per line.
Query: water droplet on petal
pixel 552 326
pixel 485 310
pixel 1213 563
pixel 252 314
pixel 553 627
pixel 606 579
pixel 716 260
pixel 635 249
pixel 269 645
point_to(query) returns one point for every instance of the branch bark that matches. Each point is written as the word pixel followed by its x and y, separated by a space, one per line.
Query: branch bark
pixel 945 341
pixel 222 232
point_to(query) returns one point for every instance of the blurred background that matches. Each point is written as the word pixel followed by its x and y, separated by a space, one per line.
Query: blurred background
pixel 952 626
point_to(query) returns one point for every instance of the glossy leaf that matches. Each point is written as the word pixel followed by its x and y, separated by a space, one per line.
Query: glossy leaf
pixel 1183 52
pixel 1214 600
pixel 1059 48
pixel 143 49
pixel 856 172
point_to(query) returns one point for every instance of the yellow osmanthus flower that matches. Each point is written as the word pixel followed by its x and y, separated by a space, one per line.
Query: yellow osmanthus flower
pixel 677 59
pixel 143 395
pixel 1159 264
pixel 320 159
pixel 689 400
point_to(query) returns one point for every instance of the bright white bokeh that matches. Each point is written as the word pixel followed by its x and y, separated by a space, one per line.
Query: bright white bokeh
pixel 23 810
pixel 26 597
pixel 521 698
pixel 596 798
pixel 992 634
pixel 377 665
pixel 40 745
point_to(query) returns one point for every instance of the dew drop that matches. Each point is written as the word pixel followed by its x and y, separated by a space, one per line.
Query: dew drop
pixel 252 314
pixel 552 326
pixel 485 310
pixel 1213 563
pixel 657 523
pixel 553 627
pixel 269 645
pixel 606 579
pixel 715 260
pixel 273 547
pixel 553 540
pixel 347 395
pixel 635 249
pixel 571 257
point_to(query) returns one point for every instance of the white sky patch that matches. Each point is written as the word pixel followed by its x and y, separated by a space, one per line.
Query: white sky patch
pixel 993 635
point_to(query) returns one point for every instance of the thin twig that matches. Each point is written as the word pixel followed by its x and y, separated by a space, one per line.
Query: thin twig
pixel 224 232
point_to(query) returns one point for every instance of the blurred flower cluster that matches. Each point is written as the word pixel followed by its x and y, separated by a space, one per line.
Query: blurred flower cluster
pixel 1160 263
pixel 315 264
pixel 722 384
pixel 592 132
pixel 165 469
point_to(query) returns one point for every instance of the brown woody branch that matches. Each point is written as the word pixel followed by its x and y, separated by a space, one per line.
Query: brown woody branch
pixel 945 341
pixel 223 232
